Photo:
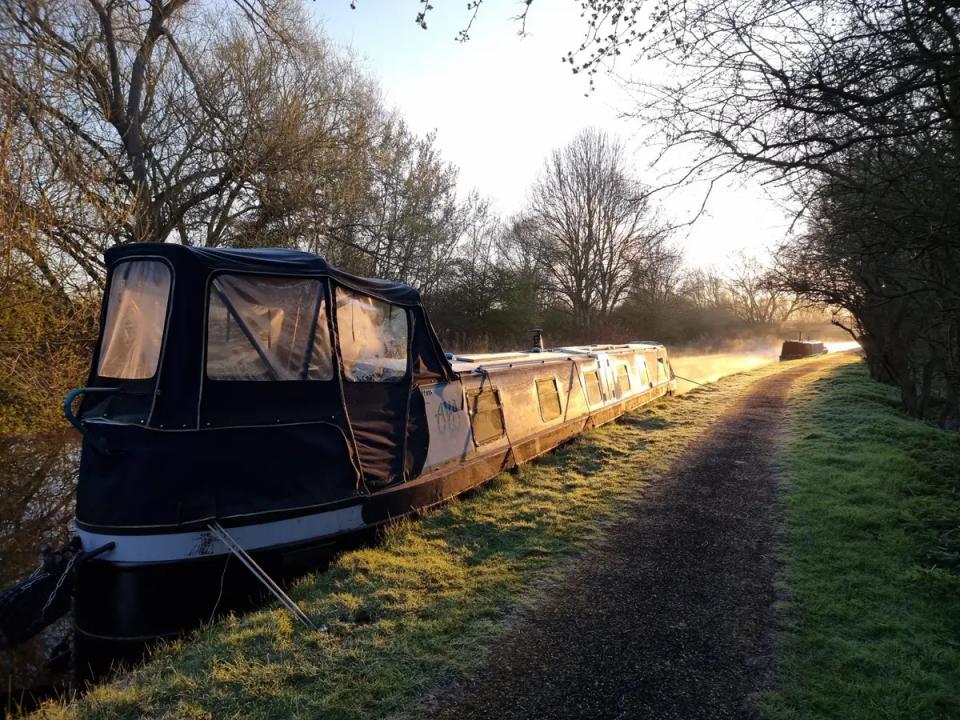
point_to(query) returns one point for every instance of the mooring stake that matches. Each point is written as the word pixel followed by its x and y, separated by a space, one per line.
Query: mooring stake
pixel 260 574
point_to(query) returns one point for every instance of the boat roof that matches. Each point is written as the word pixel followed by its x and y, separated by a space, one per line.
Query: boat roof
pixel 264 261
pixel 472 362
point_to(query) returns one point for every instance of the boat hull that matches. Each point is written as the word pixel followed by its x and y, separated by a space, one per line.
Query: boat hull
pixel 157 586
pixel 122 609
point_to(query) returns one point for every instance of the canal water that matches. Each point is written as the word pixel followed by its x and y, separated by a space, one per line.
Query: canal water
pixel 38 475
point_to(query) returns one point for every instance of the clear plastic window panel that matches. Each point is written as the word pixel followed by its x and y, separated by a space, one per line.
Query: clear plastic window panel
pixel 643 373
pixel 373 338
pixel 592 380
pixel 549 398
pixel 486 416
pixel 267 329
pixel 136 315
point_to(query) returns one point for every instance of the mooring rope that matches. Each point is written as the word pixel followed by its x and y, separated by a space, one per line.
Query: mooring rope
pixel 680 377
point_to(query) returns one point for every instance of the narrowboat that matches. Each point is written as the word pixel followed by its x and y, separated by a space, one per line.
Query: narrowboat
pixel 262 402
pixel 799 349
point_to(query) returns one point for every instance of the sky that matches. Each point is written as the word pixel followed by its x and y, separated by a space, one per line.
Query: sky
pixel 500 103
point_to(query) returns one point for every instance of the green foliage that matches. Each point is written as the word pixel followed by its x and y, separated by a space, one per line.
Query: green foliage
pixel 45 343
pixel 870 577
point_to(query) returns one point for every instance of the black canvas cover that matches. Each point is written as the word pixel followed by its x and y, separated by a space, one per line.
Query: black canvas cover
pixel 139 478
pixel 183 445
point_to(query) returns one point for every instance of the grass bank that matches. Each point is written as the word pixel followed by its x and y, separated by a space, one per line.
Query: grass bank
pixel 871 553
pixel 406 618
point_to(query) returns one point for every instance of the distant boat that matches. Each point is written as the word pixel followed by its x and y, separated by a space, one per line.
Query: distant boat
pixel 798 349
pixel 261 403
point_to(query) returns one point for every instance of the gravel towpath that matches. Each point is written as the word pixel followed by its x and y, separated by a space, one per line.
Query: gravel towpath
pixel 672 616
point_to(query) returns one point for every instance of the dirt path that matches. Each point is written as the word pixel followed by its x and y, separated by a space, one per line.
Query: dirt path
pixel 671 617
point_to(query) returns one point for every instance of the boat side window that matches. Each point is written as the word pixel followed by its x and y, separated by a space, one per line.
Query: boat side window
pixel 549 397
pixel 486 415
pixel 592 380
pixel 623 378
pixel 135 320
pixel 267 329
pixel 373 338
pixel 643 372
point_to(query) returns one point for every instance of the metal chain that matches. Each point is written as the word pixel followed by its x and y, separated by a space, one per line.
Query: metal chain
pixel 25 584
pixel 56 589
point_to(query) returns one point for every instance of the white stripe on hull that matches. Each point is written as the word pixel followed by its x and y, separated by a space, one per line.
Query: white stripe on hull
pixel 174 546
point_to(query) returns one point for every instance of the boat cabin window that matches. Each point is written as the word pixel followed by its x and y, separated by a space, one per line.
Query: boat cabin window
pixel 643 373
pixel 486 415
pixel 135 320
pixel 549 396
pixel 373 338
pixel 662 373
pixel 592 381
pixel 623 378
pixel 267 328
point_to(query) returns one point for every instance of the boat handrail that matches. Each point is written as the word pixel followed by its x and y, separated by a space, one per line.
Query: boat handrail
pixel 506 365
pixel 77 392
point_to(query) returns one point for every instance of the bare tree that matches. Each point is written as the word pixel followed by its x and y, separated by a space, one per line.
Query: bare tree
pixel 754 298
pixel 705 289
pixel 233 122
pixel 222 122
pixel 150 119
pixel 389 208
pixel 116 94
pixel 854 106
pixel 595 223
pixel 46 321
